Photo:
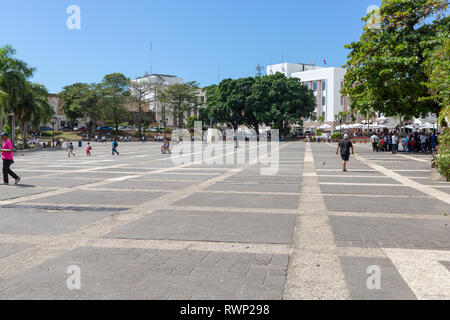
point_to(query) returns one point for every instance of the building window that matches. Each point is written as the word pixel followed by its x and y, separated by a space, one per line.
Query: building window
pixel 324 115
pixel 324 101
pixel 202 99
pixel 324 85
pixel 315 86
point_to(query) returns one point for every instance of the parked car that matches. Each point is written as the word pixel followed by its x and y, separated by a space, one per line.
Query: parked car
pixel 43 128
pixel 103 128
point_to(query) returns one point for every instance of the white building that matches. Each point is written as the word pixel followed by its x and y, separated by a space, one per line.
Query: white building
pixel 162 82
pixel 326 84
pixel 59 119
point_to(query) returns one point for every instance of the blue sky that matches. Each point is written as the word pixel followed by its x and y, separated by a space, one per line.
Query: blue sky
pixel 190 37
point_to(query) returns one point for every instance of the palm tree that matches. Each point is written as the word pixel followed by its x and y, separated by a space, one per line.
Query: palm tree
pixel 27 101
pixel 33 108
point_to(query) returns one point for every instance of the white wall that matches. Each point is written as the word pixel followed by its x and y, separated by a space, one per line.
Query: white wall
pixel 333 77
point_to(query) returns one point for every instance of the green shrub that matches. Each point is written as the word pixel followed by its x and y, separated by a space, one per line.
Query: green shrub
pixel 336 136
pixel 443 157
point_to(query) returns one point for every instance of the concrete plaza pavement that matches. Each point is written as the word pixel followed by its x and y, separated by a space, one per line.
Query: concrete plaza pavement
pixel 140 226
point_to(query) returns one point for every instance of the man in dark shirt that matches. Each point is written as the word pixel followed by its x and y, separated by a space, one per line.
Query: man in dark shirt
pixel 345 146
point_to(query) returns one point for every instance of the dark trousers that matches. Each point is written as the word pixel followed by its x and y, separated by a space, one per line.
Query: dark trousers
pixel 7 171
pixel 375 146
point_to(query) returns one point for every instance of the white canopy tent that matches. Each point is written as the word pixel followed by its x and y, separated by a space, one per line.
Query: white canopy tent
pixel 325 127
pixel 343 127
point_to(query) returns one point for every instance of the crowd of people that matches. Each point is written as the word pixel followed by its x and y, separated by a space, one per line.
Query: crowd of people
pixel 410 143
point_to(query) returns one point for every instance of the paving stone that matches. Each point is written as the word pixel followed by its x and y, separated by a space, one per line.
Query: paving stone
pixel 390 232
pixel 386 204
pixel 39 222
pixel 392 287
pixel 102 197
pixel 117 276
pixel 7 249
pixel 240 201
pixel 211 226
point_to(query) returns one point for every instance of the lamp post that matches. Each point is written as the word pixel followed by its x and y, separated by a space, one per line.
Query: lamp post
pixel 13 125
pixel 54 121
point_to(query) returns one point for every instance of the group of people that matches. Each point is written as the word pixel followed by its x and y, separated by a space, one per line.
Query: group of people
pixel 414 142
pixel 103 139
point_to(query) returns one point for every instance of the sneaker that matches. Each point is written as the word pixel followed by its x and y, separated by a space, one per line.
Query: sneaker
pixel 17 180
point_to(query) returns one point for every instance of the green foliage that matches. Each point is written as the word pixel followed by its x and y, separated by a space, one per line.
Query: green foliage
pixel 386 67
pixel 181 99
pixel 336 136
pixel 438 70
pixel 82 100
pixel 443 158
pixel 114 89
pixel 273 100
pixel 28 101
pixel 190 122
pixel 319 133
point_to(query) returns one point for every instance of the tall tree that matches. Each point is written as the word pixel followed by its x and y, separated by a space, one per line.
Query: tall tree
pixel 141 94
pixel 385 68
pixel 115 89
pixel 273 100
pixel 82 101
pixel 438 71
pixel 215 109
pixel 180 100
pixel 280 102
pixel 33 108
pixel 13 80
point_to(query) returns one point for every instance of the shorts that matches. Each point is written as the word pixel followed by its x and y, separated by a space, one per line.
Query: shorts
pixel 345 157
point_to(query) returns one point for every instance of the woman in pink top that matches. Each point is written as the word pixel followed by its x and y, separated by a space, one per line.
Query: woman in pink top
pixel 8 159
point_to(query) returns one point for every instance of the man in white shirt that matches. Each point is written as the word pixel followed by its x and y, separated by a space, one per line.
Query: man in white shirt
pixel 374 140
pixel 423 142
pixel 395 141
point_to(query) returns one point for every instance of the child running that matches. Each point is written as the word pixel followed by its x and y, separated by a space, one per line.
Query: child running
pixel 88 149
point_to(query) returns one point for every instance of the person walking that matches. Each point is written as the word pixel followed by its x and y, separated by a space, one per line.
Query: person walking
pixel 345 146
pixel 70 153
pixel 434 141
pixel 88 149
pixel 395 141
pixel 374 140
pixel 423 142
pixel 114 147
pixel 8 159
pixel 405 143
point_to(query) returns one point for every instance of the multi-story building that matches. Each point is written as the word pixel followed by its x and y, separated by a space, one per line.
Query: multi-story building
pixel 158 82
pixel 161 82
pixel 59 119
pixel 326 84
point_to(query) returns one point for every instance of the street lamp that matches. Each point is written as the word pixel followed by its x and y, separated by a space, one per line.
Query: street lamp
pixel 13 124
pixel 53 122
